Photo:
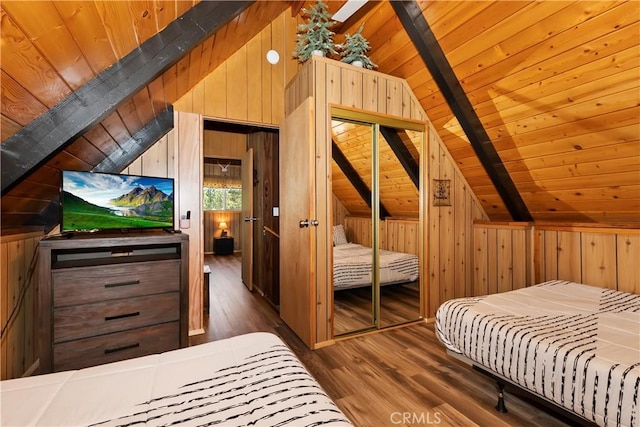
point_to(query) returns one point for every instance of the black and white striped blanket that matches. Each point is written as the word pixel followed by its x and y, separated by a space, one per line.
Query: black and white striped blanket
pixel 352 266
pixel 576 345
pixel 249 380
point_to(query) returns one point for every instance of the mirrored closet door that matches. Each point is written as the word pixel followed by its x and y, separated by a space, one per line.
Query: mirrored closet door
pixel 377 221
pixel 352 171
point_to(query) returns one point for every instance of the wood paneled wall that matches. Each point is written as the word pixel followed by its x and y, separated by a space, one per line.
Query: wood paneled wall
pixel 447 264
pixel 179 155
pixel 514 255
pixel 18 262
pixel 449 229
pixel 266 196
pixel 245 87
pixel 598 256
pixel 399 235
pixel 224 145
pixel 503 257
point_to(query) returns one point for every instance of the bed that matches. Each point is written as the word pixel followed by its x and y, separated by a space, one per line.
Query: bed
pixel 352 266
pixel 251 379
pixel 573 345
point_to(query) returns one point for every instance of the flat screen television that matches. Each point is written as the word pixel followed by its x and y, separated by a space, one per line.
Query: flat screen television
pixel 92 201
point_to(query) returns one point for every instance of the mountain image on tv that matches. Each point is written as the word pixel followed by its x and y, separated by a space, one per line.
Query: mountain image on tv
pixel 96 201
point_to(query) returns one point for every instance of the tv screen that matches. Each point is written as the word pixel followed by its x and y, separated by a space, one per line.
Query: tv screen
pixel 101 201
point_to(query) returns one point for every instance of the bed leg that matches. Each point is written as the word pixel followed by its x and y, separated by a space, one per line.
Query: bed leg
pixel 501 407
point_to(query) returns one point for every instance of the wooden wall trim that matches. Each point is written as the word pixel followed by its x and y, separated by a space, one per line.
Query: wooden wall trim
pixel 589 228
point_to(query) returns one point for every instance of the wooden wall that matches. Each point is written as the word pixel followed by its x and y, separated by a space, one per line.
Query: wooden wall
pixel 246 88
pixel 266 196
pixel 598 256
pixel 502 257
pixel 224 145
pixel 399 235
pixel 179 155
pixel 18 281
pixel 449 230
pixel 514 255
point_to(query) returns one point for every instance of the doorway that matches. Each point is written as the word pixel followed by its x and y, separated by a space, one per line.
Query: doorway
pixel 225 154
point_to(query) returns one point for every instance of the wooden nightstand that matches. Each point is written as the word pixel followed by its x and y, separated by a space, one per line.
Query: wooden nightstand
pixel 223 245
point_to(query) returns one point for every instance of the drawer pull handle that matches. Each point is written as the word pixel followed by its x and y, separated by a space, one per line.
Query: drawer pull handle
pixel 124 347
pixel 122 316
pixel 129 283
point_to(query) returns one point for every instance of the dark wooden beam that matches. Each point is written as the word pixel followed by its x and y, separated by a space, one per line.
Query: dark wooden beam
pixel 135 146
pixel 434 58
pixel 50 133
pixel 402 153
pixel 354 178
pixel 130 150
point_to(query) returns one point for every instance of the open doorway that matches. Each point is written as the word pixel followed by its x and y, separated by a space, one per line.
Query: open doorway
pixel 227 224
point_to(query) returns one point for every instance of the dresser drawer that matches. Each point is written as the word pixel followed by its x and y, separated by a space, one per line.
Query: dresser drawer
pixel 82 321
pixel 118 346
pixel 81 285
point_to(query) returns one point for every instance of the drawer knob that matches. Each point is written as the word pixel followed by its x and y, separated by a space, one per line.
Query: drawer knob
pixel 122 316
pixel 129 283
pixel 124 347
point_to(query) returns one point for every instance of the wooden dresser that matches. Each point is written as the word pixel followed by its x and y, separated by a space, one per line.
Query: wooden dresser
pixel 104 298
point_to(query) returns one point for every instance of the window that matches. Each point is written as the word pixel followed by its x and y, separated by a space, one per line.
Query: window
pixel 222 199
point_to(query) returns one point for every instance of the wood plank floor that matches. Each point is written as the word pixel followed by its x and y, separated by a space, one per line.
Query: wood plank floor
pixel 399 377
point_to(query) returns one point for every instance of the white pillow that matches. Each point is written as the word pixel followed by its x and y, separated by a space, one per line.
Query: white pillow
pixel 339 236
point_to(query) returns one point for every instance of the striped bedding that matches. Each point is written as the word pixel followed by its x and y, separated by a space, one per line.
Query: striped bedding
pixel 576 345
pixel 352 266
pixel 251 379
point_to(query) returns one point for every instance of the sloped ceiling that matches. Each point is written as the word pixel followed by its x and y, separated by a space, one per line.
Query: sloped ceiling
pixel 554 84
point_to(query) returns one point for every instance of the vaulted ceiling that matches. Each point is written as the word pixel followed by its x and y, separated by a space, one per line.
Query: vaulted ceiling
pixel 554 86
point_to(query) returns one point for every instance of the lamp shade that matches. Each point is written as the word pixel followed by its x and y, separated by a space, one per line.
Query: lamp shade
pixel 223 225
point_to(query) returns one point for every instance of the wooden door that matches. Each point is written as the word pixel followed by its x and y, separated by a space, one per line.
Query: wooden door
pixel 248 218
pixel 297 203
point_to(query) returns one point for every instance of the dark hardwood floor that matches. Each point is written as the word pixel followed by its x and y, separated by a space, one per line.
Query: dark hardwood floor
pixel 398 377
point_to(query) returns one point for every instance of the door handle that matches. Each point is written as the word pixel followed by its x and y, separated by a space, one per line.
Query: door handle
pixel 305 223
pixel 250 219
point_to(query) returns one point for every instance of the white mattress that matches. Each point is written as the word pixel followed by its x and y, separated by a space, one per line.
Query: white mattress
pixel 576 345
pixel 352 266
pixel 252 379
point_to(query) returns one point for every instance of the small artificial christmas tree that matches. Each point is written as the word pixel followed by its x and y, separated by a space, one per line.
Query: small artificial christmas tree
pixel 316 34
pixel 354 49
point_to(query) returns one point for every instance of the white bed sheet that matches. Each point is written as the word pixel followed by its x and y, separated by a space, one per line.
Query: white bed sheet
pixel 352 266
pixel 576 345
pixel 251 379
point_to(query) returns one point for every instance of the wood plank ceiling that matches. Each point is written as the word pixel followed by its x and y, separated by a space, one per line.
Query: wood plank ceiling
pixel 555 85
pixel 48 55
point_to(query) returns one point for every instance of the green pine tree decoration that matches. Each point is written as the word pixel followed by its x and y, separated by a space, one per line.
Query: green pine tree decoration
pixel 316 34
pixel 354 49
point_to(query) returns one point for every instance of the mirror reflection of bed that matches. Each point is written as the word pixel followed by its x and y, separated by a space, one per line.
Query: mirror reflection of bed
pixel 375 182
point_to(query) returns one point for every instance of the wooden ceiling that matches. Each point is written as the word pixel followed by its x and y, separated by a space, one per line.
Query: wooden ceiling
pixel 399 195
pixel 555 85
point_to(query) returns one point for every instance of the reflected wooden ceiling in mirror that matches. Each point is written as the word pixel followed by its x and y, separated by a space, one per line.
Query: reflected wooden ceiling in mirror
pixel 398 194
